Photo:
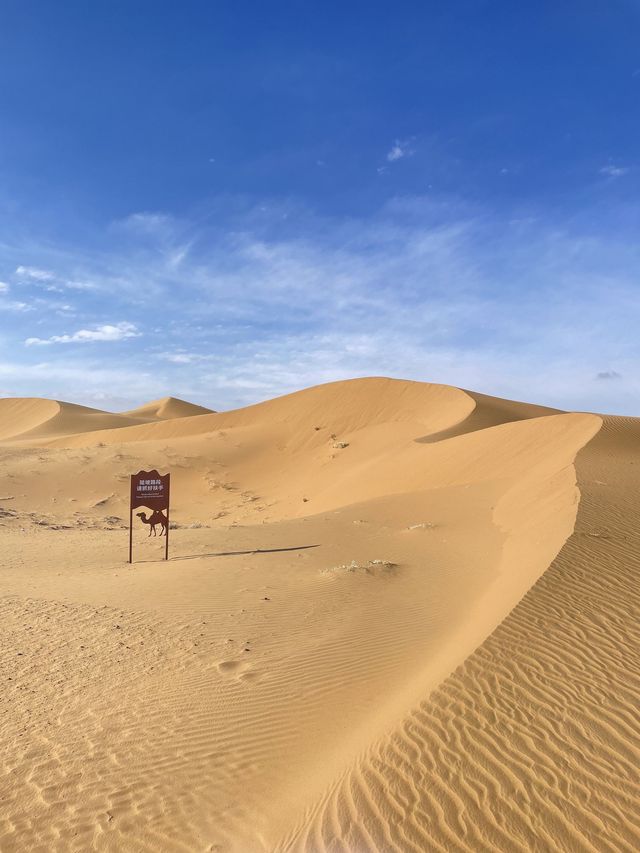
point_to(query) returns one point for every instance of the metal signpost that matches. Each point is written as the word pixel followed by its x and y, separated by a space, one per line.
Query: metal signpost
pixel 151 490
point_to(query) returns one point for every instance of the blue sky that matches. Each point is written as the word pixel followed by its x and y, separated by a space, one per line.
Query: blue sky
pixel 228 201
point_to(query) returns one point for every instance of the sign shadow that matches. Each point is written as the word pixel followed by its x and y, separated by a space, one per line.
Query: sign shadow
pixel 240 553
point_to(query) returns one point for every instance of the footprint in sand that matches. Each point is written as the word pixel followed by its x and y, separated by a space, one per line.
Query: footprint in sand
pixel 228 667
pixel 240 670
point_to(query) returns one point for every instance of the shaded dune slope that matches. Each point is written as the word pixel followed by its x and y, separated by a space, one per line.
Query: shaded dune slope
pixel 491 411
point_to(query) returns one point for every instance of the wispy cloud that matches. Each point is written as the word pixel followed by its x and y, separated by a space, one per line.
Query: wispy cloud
pixel 80 285
pixel 607 375
pixel 611 171
pixel 34 273
pixel 400 148
pixel 106 332
pixel 7 304
pixel 441 291
pixel 14 305
pixel 51 281
pixel 182 357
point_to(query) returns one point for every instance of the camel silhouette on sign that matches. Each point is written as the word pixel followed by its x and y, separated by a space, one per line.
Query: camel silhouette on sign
pixel 156 517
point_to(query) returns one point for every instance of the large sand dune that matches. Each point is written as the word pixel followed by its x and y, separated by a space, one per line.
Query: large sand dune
pixel 398 616
pixel 26 418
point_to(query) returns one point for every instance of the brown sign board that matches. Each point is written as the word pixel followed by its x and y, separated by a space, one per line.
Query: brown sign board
pixel 151 490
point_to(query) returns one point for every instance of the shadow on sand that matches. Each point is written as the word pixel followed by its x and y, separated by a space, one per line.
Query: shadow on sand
pixel 238 553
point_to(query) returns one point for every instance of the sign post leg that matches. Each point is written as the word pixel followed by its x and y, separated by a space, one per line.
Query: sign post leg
pixel 130 535
pixel 166 538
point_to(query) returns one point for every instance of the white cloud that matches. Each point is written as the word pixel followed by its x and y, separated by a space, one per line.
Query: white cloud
pixel 400 148
pixel 35 273
pixel 611 171
pixel 106 332
pixel 4 287
pixel 80 285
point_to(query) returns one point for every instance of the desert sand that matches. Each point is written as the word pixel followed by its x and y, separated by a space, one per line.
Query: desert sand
pixel 397 616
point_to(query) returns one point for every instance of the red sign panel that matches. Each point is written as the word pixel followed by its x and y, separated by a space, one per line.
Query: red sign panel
pixel 149 489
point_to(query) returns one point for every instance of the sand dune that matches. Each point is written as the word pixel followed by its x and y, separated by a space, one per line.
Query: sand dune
pixel 23 414
pixel 534 743
pixel 394 620
pixel 30 418
pixel 165 409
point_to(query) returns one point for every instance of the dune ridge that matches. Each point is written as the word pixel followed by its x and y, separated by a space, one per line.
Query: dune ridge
pixel 342 653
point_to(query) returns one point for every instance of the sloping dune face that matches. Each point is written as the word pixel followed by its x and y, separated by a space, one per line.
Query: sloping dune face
pixel 341 557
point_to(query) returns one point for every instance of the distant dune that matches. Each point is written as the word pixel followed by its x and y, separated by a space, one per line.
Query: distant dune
pixel 398 616
pixel 167 408
pixel 31 418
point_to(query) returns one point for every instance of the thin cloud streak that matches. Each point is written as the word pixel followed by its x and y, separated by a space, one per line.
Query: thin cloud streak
pixel 106 332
